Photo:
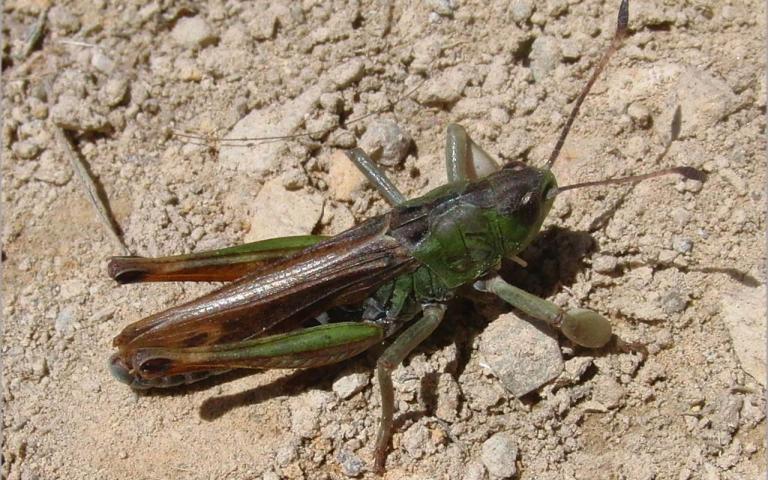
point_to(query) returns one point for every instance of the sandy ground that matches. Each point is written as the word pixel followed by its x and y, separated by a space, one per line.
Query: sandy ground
pixel 676 265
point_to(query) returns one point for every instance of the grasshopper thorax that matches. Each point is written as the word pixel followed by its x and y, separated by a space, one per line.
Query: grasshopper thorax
pixel 472 226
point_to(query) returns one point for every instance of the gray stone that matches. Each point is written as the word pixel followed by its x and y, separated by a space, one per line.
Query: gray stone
pixel 277 212
pixel 350 383
pixel 499 455
pixel 351 464
pixel 101 62
pixel 63 20
pixel 674 301
pixel 63 322
pixel 605 264
pixel 387 136
pixel 545 56
pixel 682 244
pixel 443 8
pixel 444 89
pixel 114 91
pixel 523 356
pixel 521 10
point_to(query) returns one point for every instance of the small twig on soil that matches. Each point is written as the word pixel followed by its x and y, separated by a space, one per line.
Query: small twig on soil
pixel 33 40
pixel 91 191
pixel 78 43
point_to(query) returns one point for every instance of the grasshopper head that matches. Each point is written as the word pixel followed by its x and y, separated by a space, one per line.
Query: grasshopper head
pixel 523 196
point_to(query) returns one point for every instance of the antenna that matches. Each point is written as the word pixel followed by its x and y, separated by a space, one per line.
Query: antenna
pixel 618 38
pixel 687 172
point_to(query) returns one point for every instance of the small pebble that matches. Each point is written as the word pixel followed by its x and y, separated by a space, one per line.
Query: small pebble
pixel 331 102
pixel 348 384
pixel 393 141
pixel 737 182
pixel 605 264
pixel 71 113
pixel 345 181
pixel 63 322
pixel 101 62
pixel 63 20
pixel 499 455
pixel 279 212
pixel 352 465
pixel 193 32
pixel 305 412
pixel 444 8
pixel 40 368
pixel 445 89
pixel 639 114
pixel 474 471
pixel 38 108
pixel 608 392
pixel 263 26
pixel 666 256
pixel 26 149
pixel 682 244
pixel 448 398
pixel 545 56
pixel 115 91
pixel 348 73
pixel 416 440
pixel 681 216
pixel 521 10
pixel 571 49
pixel 674 301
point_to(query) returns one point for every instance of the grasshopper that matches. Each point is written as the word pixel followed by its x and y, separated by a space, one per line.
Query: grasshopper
pixel 308 301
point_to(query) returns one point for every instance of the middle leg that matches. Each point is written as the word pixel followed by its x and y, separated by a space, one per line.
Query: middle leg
pixel 389 360
pixel 378 179
pixel 464 159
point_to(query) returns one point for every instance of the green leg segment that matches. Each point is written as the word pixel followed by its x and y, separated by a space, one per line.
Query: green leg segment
pixel 583 327
pixel 464 159
pixel 378 179
pixel 389 360
pixel 304 348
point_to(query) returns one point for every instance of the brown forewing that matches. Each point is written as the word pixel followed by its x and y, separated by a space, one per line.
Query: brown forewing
pixel 340 270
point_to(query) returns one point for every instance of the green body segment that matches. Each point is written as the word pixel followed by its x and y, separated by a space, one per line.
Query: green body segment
pixel 464 230
pixel 467 238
